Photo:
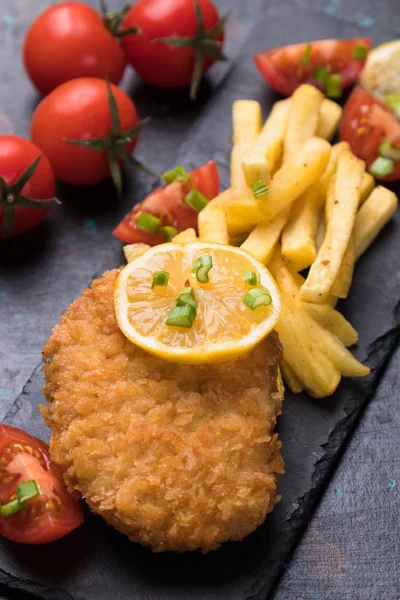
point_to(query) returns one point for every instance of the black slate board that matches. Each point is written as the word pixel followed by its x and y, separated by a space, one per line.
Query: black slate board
pixel 97 562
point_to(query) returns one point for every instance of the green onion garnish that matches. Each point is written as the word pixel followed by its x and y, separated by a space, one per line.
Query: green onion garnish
pixel 27 490
pixel 177 174
pixel 387 150
pixel 160 278
pixel 334 86
pixel 381 167
pixel 251 277
pixel 305 61
pixel 257 297
pixel 181 316
pixel 321 74
pixel 187 298
pixel 196 200
pixel 394 103
pixel 201 267
pixel 259 189
pixel 148 223
pixel 11 508
pixel 168 232
pixel 360 52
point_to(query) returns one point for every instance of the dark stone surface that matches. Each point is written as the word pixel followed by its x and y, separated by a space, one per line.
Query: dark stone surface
pixel 41 275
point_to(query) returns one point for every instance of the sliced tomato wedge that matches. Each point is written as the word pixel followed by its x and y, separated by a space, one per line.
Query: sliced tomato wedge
pixel 168 204
pixel 284 69
pixel 53 513
pixel 366 122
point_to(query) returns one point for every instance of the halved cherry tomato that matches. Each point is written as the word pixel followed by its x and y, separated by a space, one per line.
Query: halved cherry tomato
pixel 288 67
pixel 67 41
pixel 53 513
pixel 366 122
pixel 168 204
pixel 16 155
pixel 167 64
pixel 80 110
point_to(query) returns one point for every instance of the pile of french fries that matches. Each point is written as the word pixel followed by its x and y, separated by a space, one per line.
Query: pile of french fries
pixel 321 212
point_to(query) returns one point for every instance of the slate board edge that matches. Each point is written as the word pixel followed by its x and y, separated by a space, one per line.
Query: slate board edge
pixel 334 448
pixel 324 468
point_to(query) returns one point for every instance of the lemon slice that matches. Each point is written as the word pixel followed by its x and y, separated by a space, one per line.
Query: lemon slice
pixel 223 327
pixel 381 74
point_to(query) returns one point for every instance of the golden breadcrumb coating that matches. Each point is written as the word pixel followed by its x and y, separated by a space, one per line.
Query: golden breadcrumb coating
pixel 177 457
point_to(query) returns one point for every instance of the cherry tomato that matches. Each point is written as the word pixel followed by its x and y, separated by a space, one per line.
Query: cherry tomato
pixel 53 513
pixel 366 122
pixel 288 67
pixel 16 155
pixel 79 110
pixel 168 204
pixel 67 41
pixel 161 64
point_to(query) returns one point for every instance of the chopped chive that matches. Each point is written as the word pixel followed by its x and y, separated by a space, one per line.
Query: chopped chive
pixel 148 223
pixel 27 490
pixel 321 75
pixel 177 174
pixel 168 232
pixel 394 103
pixel 181 316
pixel 381 167
pixel 13 507
pixel 257 297
pixel 305 61
pixel 121 267
pixel 187 298
pixel 334 86
pixel 259 189
pixel 196 200
pixel 387 150
pixel 160 279
pixel 251 277
pixel 201 267
pixel 360 52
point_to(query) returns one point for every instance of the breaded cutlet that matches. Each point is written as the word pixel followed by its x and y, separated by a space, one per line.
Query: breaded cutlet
pixel 177 457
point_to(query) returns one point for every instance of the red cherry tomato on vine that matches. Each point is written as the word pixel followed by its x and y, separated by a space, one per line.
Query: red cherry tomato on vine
pixel 366 123
pixel 80 110
pixel 67 41
pixel 169 205
pixel 167 64
pixel 17 213
pixel 50 515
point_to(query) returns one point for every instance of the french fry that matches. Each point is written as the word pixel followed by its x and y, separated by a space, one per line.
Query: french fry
pixel 329 117
pixel 328 343
pixel 212 224
pixel 290 377
pixel 298 238
pixel 326 315
pixel 131 251
pixel 243 214
pixel 367 185
pixel 305 105
pixel 238 180
pixel 188 235
pixel 342 283
pixel 324 270
pixel 299 243
pixel 295 177
pixel 376 211
pixel 317 372
pixel 264 154
pixel 262 240
pixel 247 120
